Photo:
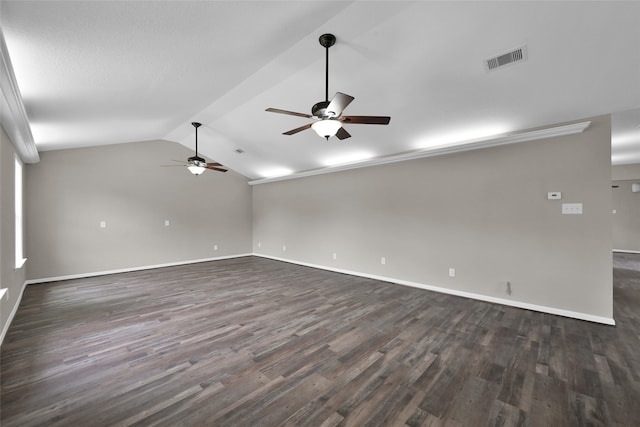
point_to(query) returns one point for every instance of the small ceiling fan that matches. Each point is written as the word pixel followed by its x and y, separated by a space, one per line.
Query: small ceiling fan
pixel 328 114
pixel 197 164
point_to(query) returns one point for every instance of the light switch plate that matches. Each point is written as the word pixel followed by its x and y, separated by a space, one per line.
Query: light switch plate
pixel 554 195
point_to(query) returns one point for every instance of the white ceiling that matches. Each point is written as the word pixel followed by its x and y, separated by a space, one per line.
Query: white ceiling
pixel 93 73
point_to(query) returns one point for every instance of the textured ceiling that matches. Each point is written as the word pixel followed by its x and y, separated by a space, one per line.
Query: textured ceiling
pixel 94 73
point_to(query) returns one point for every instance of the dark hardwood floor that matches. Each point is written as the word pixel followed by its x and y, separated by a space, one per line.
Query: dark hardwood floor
pixel 256 342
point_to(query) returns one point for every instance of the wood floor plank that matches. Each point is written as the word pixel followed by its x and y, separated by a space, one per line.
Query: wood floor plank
pixel 257 342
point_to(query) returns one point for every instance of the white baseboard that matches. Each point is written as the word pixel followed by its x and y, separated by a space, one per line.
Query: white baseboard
pixel 626 251
pixel 480 297
pixel 130 269
pixel 12 314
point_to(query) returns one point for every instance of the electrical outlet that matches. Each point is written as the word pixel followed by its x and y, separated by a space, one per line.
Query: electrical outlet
pixel 383 260
pixel 215 247
pixel 335 255
pixel 103 224
pixel 572 208
pixel 167 223
pixel 284 248
pixel 452 272
pixel 259 244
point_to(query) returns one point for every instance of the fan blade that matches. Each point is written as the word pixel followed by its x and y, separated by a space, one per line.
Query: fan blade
pixel 291 113
pixel 343 134
pixel 215 164
pixel 296 130
pixel 180 161
pixel 338 103
pixel 366 120
pixel 213 168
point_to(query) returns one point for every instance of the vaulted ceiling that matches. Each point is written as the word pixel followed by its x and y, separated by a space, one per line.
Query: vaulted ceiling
pixel 93 73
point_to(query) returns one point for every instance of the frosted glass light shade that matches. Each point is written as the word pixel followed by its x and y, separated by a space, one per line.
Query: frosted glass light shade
pixel 326 128
pixel 196 170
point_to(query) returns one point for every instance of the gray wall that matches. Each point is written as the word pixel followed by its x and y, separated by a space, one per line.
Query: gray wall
pixel 10 278
pixel 625 172
pixel 71 191
pixel 484 213
pixel 626 220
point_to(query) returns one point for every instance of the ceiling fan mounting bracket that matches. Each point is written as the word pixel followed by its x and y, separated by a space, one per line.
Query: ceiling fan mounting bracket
pixel 327 40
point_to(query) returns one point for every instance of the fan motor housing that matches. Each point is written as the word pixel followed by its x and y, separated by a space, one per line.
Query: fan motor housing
pixel 196 160
pixel 320 109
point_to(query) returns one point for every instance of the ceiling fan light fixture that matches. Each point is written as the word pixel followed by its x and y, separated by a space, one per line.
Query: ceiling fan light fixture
pixel 326 128
pixel 197 165
pixel 329 112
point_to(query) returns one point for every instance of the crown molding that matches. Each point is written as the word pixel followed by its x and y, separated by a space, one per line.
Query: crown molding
pixel 13 116
pixel 515 138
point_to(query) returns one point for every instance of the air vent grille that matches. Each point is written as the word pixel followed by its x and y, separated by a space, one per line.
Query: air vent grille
pixel 507 58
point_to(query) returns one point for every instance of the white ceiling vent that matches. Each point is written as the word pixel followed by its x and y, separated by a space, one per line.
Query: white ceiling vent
pixel 507 58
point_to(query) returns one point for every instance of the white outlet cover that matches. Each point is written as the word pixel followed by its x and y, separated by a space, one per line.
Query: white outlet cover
pixel 383 260
pixel 166 223
pixel 572 208
pixel 103 224
pixel 452 272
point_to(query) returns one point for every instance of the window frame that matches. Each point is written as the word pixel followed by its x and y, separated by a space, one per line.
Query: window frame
pixel 19 212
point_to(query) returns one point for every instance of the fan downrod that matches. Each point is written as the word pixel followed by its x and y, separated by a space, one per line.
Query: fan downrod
pixel 196 125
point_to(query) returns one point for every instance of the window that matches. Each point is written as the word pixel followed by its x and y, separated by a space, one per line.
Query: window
pixel 18 208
